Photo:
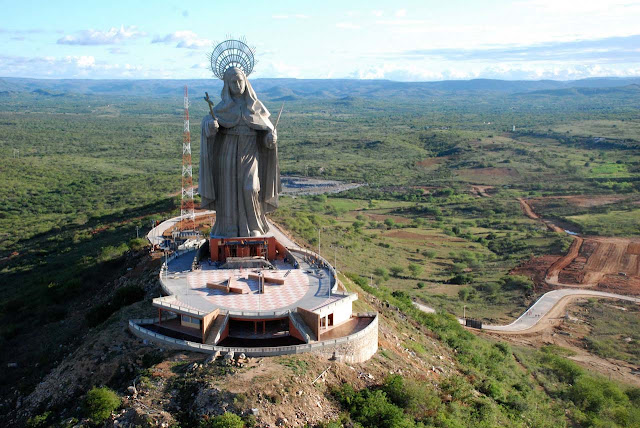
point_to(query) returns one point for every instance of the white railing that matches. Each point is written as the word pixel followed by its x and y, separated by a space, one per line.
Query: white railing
pixel 136 328
pixel 163 302
pixel 332 305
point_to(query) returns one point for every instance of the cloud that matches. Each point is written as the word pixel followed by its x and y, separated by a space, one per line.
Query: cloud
pixel 348 25
pixel 413 73
pixel 606 50
pixel 377 13
pixel 82 66
pixel 183 39
pixel 401 13
pixel 94 37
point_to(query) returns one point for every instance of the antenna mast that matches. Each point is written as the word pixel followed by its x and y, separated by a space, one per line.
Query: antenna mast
pixel 187 213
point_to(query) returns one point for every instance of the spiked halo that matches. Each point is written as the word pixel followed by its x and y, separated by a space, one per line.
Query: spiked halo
pixel 232 53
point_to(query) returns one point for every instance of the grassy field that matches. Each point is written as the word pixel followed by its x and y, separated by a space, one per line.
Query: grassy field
pixel 614 329
pixel 612 223
pixel 81 172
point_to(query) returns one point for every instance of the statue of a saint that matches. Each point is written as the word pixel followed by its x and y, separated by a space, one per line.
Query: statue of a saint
pixel 239 173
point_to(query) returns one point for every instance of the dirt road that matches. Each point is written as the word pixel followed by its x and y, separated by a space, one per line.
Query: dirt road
pixel 528 211
pixel 563 262
pixel 605 262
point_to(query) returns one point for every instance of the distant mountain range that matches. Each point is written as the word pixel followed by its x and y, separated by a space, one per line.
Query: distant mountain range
pixel 292 89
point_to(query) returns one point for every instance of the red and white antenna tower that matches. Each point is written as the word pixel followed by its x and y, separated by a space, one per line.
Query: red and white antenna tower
pixel 187 212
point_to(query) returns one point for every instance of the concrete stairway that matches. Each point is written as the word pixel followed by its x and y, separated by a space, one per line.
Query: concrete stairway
pixel 299 323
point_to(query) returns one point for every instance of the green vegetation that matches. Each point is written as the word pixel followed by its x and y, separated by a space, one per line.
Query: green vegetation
pixel 621 223
pixel 100 403
pixel 226 420
pixel 612 336
pixel 93 168
pixel 501 378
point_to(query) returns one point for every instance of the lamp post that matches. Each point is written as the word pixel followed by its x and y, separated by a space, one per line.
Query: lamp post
pixel 335 256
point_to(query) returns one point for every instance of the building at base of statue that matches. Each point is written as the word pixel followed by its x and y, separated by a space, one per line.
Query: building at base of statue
pixel 259 296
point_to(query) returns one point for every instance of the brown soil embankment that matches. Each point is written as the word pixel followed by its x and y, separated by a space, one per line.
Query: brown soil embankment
pixel 564 261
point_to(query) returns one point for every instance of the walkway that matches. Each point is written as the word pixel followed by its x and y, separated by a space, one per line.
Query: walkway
pixel 546 303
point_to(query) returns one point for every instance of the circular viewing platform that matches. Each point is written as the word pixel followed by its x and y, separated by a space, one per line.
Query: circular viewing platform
pixel 258 296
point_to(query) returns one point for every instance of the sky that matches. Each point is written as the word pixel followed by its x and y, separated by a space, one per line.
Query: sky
pixel 399 40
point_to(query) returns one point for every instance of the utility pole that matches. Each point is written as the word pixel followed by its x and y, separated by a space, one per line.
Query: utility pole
pixel 137 229
pixel 464 313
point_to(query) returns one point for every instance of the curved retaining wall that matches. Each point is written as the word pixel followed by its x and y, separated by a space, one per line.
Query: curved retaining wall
pixel 355 348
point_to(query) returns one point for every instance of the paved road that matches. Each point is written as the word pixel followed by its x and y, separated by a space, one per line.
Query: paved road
pixel 545 303
pixel 540 308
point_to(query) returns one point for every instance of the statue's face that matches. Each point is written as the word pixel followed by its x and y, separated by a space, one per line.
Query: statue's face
pixel 236 84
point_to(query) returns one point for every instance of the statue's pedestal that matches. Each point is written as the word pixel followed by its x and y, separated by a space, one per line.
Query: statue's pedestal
pixel 266 247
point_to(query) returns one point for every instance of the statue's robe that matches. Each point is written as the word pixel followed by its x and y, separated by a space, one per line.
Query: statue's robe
pixel 239 172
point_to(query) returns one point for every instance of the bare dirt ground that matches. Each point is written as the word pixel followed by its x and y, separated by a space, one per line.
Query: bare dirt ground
pixel 607 263
pixel 584 201
pixel 481 191
pixel 383 217
pixel 201 222
pixel 604 263
pixel 564 261
pixel 555 329
pixel 431 161
pixel 599 262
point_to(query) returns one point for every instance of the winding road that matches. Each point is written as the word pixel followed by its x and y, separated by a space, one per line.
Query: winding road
pixel 550 305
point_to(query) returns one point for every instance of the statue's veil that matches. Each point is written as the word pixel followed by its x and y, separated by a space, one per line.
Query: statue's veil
pixel 228 112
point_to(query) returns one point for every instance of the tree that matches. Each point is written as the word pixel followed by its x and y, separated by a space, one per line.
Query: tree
pixel 415 269
pixel 382 273
pixel 396 270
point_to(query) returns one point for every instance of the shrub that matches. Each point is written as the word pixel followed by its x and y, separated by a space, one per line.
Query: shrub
pixel 517 282
pixel 372 408
pixel 100 402
pixel 226 420
pixel 137 244
pixel 39 421
pixel 396 270
pixel 382 273
pixel 429 254
pixel 461 279
pixel 421 285
pixel 415 269
pixel 111 253
pixel 464 293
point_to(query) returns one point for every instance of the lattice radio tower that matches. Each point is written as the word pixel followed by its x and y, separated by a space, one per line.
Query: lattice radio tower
pixel 187 213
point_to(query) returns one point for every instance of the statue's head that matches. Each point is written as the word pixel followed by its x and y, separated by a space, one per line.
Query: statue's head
pixel 235 80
